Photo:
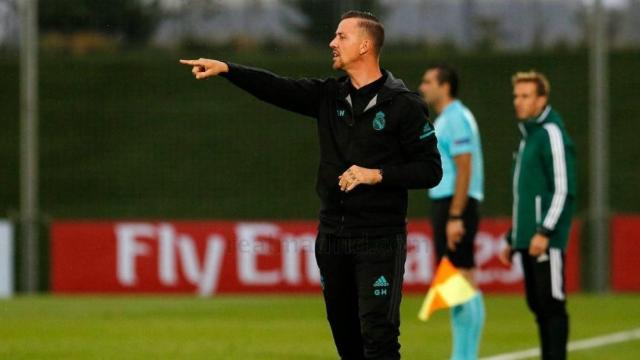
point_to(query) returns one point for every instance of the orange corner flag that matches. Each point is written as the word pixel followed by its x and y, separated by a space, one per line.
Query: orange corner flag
pixel 449 288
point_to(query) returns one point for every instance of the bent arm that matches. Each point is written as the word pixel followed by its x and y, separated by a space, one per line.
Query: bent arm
pixel 555 161
pixel 423 168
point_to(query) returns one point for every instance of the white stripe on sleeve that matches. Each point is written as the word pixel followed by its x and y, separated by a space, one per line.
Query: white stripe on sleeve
pixel 559 176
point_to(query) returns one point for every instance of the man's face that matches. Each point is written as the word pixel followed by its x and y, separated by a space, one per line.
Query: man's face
pixel 432 91
pixel 348 44
pixel 526 100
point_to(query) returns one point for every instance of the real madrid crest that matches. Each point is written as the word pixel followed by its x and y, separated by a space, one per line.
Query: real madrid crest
pixel 379 121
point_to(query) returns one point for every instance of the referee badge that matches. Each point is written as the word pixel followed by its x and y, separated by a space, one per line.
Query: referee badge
pixel 379 121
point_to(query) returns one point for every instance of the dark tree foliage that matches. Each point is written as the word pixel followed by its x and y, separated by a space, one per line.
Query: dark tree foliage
pixel 131 19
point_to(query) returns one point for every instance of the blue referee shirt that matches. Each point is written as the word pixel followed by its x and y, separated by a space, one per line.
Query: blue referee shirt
pixel 457 134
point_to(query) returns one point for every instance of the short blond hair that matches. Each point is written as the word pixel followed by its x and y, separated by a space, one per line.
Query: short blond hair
pixel 543 88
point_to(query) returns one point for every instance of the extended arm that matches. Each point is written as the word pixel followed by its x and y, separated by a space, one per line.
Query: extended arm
pixel 298 95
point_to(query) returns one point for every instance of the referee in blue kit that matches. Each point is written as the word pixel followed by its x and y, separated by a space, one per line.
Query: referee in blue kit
pixel 455 200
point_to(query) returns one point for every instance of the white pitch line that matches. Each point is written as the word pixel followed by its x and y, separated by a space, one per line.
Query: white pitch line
pixel 574 345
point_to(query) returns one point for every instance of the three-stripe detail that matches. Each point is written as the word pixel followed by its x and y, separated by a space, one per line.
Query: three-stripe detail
pixel 398 274
pixel 555 257
pixel 559 178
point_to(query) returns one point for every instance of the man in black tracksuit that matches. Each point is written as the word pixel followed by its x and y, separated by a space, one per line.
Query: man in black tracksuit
pixel 375 143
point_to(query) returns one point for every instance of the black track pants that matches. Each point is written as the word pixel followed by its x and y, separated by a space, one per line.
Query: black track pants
pixel 362 284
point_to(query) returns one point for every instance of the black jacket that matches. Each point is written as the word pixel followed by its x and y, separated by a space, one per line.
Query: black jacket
pixel 393 133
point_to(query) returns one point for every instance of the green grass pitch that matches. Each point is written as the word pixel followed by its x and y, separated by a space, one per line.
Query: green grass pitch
pixel 271 327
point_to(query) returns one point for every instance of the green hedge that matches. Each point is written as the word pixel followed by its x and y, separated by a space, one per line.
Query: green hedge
pixel 134 136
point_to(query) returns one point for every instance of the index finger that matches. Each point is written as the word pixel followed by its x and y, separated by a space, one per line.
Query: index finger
pixel 353 185
pixel 190 62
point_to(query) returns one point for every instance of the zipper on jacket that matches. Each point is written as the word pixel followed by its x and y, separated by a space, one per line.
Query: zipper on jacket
pixel 347 103
pixel 538 209
pixel 370 107
pixel 375 106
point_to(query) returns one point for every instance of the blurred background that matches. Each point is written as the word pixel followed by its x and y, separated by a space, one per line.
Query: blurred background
pixel 100 123
pixel 125 133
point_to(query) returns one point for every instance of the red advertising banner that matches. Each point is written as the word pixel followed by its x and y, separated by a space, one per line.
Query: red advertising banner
pixel 217 257
pixel 625 253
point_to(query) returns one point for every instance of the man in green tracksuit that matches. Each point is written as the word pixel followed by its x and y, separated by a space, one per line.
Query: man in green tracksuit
pixel 544 188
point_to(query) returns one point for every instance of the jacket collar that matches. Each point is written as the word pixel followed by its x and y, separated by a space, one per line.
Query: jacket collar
pixel 531 124
pixel 391 87
pixel 543 115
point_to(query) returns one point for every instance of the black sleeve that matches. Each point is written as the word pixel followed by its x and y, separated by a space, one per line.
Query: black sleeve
pixel 298 95
pixel 422 168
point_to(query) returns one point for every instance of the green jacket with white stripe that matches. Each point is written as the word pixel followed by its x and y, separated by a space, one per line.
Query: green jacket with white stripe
pixel 544 182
